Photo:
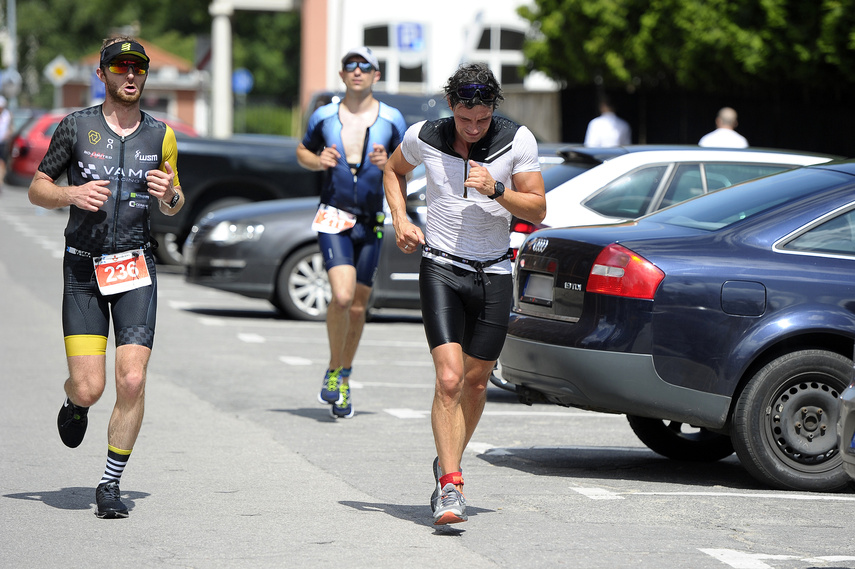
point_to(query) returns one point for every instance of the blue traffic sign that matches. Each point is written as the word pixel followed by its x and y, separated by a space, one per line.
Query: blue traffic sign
pixel 242 81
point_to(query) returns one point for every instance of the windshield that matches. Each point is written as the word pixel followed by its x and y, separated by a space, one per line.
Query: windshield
pixel 560 173
pixel 720 209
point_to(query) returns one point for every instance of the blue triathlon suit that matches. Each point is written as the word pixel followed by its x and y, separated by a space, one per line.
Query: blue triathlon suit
pixel 355 188
pixel 85 148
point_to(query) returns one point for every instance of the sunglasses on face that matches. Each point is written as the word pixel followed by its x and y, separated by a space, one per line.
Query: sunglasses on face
pixel 469 91
pixel 122 67
pixel 363 66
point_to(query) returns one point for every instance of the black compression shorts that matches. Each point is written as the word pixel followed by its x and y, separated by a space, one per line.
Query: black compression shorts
pixel 86 312
pixel 457 307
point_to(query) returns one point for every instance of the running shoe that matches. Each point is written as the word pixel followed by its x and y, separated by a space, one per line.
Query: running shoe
pixel 72 422
pixel 437 474
pixel 330 393
pixel 451 508
pixel 108 498
pixel 343 409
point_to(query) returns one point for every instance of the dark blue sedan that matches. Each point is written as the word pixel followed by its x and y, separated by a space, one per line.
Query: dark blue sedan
pixel 723 323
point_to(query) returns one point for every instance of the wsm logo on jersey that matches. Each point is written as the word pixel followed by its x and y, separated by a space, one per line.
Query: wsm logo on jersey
pixel 146 157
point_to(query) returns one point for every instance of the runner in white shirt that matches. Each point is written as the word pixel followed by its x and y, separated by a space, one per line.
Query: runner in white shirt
pixel 480 171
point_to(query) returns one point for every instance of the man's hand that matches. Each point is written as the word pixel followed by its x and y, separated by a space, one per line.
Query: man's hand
pixel 378 156
pixel 408 236
pixel 160 182
pixel 480 179
pixel 328 157
pixel 90 196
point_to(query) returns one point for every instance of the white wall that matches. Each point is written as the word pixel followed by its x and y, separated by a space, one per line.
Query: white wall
pixel 450 30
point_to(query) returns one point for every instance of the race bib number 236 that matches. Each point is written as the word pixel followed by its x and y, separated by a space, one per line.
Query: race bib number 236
pixel 121 272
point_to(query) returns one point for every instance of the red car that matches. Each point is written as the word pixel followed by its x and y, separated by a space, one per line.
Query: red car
pixel 30 144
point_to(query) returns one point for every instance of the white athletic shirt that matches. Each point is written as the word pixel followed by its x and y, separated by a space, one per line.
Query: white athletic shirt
pixel 474 227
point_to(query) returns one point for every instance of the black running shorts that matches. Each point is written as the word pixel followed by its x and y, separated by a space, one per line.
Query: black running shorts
pixel 86 312
pixel 458 307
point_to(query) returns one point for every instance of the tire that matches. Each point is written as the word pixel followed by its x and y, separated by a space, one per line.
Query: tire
pixel 785 422
pixel 302 286
pixel 679 441
pixel 170 244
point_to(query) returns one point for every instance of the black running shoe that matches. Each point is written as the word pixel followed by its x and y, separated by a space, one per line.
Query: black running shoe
pixel 72 421
pixel 110 506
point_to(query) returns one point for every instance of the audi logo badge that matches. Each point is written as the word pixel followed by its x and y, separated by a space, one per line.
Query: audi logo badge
pixel 539 245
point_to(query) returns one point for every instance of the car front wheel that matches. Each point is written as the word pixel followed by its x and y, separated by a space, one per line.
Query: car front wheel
pixel 784 423
pixel 679 441
pixel 302 286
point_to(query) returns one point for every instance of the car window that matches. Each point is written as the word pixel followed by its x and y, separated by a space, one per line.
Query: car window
pixel 719 209
pixel 836 236
pixel 629 195
pixel 687 183
pixel 556 175
pixel 723 175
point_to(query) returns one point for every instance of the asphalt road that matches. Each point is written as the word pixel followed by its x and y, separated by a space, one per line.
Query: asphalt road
pixel 238 466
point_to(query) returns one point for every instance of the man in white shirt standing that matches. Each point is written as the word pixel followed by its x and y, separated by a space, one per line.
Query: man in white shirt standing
pixel 725 135
pixel 608 129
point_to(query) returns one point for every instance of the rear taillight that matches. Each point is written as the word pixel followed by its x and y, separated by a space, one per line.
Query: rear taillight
pixel 620 272
pixel 520 226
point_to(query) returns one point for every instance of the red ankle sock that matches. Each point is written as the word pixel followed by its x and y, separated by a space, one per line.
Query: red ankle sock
pixel 455 478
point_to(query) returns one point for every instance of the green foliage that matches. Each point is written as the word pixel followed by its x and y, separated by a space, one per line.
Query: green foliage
pixel 707 45
pixel 264 118
pixel 266 43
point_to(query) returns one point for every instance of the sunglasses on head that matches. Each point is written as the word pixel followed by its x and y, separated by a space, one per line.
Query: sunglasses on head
pixel 363 66
pixel 469 91
pixel 123 67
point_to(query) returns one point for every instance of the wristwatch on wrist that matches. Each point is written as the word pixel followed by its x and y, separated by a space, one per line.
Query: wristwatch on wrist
pixel 174 201
pixel 498 190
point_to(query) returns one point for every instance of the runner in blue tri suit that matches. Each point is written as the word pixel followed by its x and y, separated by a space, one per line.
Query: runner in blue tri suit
pixel 120 164
pixel 351 140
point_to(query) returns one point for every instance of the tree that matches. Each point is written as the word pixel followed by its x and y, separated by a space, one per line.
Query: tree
pixel 701 45
pixel 267 44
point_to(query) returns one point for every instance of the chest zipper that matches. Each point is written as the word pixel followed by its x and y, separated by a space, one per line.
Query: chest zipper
pixel 118 196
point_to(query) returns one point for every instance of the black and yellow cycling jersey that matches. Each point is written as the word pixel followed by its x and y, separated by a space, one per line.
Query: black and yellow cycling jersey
pixel 85 149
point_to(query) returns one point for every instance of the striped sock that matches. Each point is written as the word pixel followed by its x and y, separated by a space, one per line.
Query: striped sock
pixel 117 459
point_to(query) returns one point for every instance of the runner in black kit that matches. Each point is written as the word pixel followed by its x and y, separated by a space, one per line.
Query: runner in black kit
pixel 480 170
pixel 120 163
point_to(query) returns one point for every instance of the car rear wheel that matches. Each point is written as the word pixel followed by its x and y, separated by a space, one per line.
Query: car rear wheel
pixel 679 441
pixel 784 423
pixel 302 286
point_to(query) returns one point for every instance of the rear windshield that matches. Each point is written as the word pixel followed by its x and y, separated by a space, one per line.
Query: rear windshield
pixel 724 207
pixel 557 175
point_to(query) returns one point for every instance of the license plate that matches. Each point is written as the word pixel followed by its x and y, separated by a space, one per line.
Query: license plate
pixel 538 289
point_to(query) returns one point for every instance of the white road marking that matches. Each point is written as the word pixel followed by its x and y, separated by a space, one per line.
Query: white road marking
pixel 407 413
pixel 598 493
pixel 782 496
pixel 295 361
pixel 744 560
pixel 251 338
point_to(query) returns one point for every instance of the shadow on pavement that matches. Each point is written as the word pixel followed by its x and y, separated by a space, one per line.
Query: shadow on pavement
pixel 609 463
pixel 319 413
pixel 419 515
pixel 74 498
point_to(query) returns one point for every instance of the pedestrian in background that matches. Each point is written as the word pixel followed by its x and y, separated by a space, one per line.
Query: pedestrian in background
pixel 481 169
pixel 725 135
pixel 120 164
pixel 608 129
pixel 351 141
